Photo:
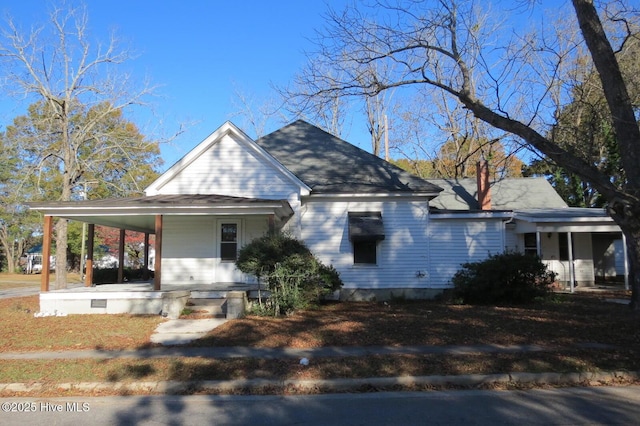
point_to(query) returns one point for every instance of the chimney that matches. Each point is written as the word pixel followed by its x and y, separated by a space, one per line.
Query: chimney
pixel 484 190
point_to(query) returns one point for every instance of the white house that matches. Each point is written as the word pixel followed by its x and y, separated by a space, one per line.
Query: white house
pixel 582 245
pixel 386 231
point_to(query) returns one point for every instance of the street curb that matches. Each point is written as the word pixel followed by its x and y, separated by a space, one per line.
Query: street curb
pixel 326 385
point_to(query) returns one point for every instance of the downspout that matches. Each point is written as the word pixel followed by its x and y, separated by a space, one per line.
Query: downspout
pixel 504 231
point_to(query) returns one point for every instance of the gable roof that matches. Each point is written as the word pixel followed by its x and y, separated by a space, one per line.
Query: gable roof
pixel 241 138
pixel 330 165
pixel 506 194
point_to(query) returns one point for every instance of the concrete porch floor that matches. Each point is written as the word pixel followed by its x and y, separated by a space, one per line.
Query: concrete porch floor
pixel 135 298
pixel 148 286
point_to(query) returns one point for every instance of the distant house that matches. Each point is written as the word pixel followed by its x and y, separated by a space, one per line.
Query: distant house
pixel 386 231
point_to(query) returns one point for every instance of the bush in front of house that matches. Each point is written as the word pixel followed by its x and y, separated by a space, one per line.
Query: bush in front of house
pixel 505 278
pixel 295 278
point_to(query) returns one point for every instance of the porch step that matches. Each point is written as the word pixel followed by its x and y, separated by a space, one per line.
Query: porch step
pixel 216 307
pixel 208 294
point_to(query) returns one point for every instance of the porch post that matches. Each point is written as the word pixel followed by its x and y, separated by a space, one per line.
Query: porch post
pixel 88 275
pixel 626 262
pixel 121 256
pixel 538 245
pixel 46 253
pixel 157 278
pixel 145 267
pixel 272 224
pixel 571 271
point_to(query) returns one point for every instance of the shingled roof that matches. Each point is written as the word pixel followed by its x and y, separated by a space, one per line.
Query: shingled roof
pixel 328 164
pixel 506 194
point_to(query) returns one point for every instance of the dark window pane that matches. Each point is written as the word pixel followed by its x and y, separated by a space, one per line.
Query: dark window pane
pixel 530 243
pixel 229 232
pixel 364 252
pixel 228 241
pixel 228 251
pixel 563 245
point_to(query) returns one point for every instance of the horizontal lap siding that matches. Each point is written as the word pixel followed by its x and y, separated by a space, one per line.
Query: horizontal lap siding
pixel 230 168
pixel 455 242
pixel 401 254
pixel 188 249
pixel 189 246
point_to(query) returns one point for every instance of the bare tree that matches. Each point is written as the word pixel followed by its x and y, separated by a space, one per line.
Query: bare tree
pixel 318 92
pixel 452 139
pixel 57 66
pixel 512 82
pixel 256 114
pixel 303 99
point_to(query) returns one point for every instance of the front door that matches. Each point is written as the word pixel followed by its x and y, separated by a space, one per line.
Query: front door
pixel 228 242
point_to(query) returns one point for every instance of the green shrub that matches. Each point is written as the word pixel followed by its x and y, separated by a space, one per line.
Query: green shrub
pixel 506 278
pixel 295 278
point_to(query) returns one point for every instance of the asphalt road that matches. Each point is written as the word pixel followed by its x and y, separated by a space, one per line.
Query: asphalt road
pixel 570 406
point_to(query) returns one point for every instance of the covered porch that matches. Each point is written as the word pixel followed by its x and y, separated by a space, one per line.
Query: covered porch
pixel 197 238
pixel 584 247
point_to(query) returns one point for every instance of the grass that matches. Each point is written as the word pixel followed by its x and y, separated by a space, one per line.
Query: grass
pixel 560 325
pixel 171 368
pixel 22 332
pixel 564 321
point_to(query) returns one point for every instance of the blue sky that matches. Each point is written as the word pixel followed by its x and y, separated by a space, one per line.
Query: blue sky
pixel 200 52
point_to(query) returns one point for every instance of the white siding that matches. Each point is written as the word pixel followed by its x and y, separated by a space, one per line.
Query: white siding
pixel 583 255
pixel 512 242
pixel 454 242
pixel 230 168
pixel 188 249
pixel 618 248
pixel 189 246
pixel 401 255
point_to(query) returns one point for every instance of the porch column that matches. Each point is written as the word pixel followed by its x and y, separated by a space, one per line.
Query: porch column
pixel 538 245
pixel 272 224
pixel 158 256
pixel 121 256
pixel 46 253
pixel 88 275
pixel 626 262
pixel 572 276
pixel 145 267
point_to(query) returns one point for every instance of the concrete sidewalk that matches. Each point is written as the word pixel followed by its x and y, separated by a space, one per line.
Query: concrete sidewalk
pixel 183 331
pixel 284 353
pixel 276 386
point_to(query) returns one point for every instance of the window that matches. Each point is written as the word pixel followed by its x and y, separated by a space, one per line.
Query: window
pixel 563 245
pixel 365 252
pixel 365 230
pixel 531 244
pixel 228 241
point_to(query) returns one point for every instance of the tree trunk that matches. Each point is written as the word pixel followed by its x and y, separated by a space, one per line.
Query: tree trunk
pixel 624 208
pixel 10 256
pixel 68 177
pixel 628 218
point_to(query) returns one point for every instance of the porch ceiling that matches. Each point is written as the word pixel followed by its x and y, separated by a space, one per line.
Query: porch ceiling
pixel 138 214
